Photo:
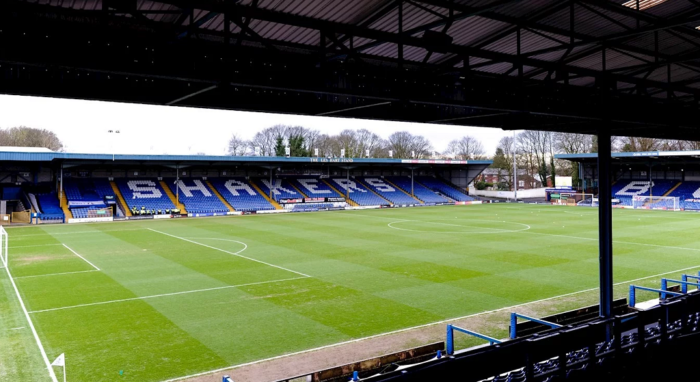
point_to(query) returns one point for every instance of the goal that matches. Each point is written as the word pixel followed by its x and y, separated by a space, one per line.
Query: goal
pixel 100 213
pixel 4 243
pixel 656 202
pixel 573 199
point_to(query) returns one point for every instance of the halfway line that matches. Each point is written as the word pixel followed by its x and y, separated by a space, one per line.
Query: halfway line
pixel 162 295
pixel 230 253
pixel 86 260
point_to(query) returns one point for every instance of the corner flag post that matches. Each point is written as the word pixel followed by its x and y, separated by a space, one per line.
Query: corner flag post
pixel 61 361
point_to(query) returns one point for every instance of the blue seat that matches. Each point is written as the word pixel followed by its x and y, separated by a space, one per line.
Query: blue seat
pixel 439 186
pixel 419 191
pixel 358 193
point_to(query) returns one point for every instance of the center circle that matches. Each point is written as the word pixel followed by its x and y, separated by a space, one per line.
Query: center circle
pixel 459 226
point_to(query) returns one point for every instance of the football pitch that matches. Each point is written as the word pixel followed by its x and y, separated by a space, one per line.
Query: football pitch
pixel 161 299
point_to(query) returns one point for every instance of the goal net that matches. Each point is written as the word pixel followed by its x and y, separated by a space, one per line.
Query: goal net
pixel 573 199
pixel 656 202
pixel 4 243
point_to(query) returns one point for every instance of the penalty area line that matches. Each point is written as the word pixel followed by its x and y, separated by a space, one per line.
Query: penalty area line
pixel 86 260
pixel 417 327
pixel 56 274
pixel 230 253
pixel 163 295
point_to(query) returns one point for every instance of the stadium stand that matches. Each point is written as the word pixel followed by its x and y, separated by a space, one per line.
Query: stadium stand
pixel 146 193
pixel 241 195
pixel 443 188
pixel 419 191
pixel 197 197
pixel 92 192
pixel 689 195
pixel 50 207
pixel 281 188
pixel 358 193
pixel 387 191
pixel 314 188
pixel 580 352
pixel 627 189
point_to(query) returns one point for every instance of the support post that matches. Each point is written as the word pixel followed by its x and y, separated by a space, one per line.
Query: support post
pixel 633 298
pixel 271 183
pixel 513 324
pixel 515 172
pixel 605 249
pixel 412 184
pixel 450 340
pixel 664 286
pixel 347 185
pixel 60 188
pixel 177 186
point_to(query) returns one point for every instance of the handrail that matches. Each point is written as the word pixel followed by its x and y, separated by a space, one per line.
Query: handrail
pixel 514 322
pixel 633 295
pixel 686 277
pixel 684 285
pixel 450 337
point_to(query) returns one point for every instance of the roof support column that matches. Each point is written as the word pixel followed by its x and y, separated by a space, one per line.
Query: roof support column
pixel 605 223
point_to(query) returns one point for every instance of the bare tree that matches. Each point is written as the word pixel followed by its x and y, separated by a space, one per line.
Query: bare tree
pixel 237 146
pixel 265 141
pixel 30 137
pixel 466 148
pixel 635 144
pixel 404 144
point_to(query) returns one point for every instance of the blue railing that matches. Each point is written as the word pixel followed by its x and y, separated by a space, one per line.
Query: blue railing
pixel 663 293
pixel 684 285
pixel 514 322
pixel 450 337
pixel 684 288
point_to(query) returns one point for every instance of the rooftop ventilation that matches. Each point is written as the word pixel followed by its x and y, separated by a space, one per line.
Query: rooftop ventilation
pixel 643 4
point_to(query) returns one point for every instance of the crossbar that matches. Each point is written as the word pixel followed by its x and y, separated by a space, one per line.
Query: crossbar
pixel 514 322
pixel 450 337
pixel 663 293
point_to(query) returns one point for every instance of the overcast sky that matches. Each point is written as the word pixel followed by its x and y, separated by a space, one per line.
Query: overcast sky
pixel 145 129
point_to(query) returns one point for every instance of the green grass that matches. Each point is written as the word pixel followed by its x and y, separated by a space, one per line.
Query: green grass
pixel 371 272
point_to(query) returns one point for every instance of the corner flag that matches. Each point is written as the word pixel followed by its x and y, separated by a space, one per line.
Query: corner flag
pixel 60 361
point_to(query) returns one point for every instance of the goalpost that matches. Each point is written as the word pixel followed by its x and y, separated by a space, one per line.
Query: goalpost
pixel 573 199
pixel 656 202
pixel 4 245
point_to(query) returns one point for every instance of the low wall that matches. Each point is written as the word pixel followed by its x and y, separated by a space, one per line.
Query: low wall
pixel 522 194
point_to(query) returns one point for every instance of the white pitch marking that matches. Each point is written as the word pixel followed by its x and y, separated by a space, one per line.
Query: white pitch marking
pixel 229 252
pixel 35 245
pixel 21 327
pixel 56 274
pixel 163 295
pixel 52 375
pixel 86 260
pixel 614 241
pixel 245 246
pixel 416 327
pixel 73 233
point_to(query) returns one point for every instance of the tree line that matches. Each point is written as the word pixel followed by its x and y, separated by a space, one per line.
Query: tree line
pixel 535 150
pixel 23 136
pixel 361 143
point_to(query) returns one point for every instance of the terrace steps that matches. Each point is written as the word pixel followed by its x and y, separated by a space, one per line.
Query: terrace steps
pixel 172 197
pixel 272 201
pixel 402 190
pixel 218 195
pixel 120 199
pixel 347 200
pixel 371 190
pixel 64 206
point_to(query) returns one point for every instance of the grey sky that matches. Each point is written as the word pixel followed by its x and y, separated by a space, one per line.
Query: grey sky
pixel 145 129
